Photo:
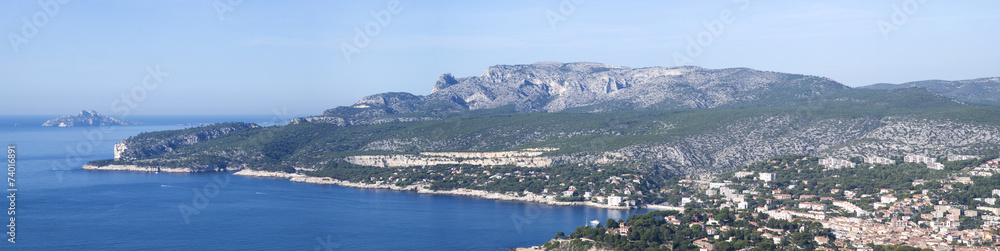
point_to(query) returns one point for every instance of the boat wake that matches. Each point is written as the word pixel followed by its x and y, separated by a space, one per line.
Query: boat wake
pixel 169 186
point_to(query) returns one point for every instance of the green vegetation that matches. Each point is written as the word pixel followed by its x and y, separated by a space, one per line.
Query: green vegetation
pixel 651 231
pixel 102 162
pixel 600 181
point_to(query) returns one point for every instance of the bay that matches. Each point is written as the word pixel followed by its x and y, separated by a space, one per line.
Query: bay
pixel 60 207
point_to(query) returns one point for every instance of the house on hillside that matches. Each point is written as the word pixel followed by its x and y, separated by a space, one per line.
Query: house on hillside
pixel 623 229
pixel 704 245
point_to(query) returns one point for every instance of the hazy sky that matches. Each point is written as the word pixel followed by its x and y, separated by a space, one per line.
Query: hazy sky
pixel 251 57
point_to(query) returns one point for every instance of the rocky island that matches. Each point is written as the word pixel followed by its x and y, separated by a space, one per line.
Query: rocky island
pixel 87 118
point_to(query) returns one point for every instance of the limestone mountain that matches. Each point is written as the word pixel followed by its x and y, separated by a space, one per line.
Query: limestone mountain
pixel 586 87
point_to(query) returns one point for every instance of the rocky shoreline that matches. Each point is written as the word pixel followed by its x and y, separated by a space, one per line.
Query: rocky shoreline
pixel 135 168
pixel 294 177
pixel 424 190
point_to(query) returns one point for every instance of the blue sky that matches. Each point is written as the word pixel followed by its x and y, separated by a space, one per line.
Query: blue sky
pixel 253 57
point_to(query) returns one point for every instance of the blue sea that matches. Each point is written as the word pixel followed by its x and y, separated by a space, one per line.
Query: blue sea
pixel 60 207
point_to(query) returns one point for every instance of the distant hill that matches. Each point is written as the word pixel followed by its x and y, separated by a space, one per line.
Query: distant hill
pixel 980 90
pixel 87 118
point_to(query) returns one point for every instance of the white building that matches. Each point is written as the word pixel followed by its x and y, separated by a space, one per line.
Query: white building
pixel 835 163
pixel 819 207
pixel 727 191
pixel 812 206
pixel 878 205
pixel 918 159
pixel 960 157
pixel 568 193
pixel 936 166
pixel 879 160
pixel 767 177
pixel 850 194
pixel 780 215
pixel 815 216
pixel 930 162
pixel 614 200
pixel 806 205
pixel 850 207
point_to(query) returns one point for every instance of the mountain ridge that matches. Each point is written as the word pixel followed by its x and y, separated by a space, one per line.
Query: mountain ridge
pixel 739 116
pixel 979 90
pixel 586 87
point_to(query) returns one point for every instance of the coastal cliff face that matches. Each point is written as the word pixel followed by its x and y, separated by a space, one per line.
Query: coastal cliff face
pixel 120 148
pixel 508 158
pixel 87 118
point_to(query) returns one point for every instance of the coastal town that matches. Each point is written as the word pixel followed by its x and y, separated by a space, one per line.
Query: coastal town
pixel 937 203
pixel 799 202
pixel 950 204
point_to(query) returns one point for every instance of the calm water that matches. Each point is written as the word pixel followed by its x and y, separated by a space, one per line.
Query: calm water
pixel 61 207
